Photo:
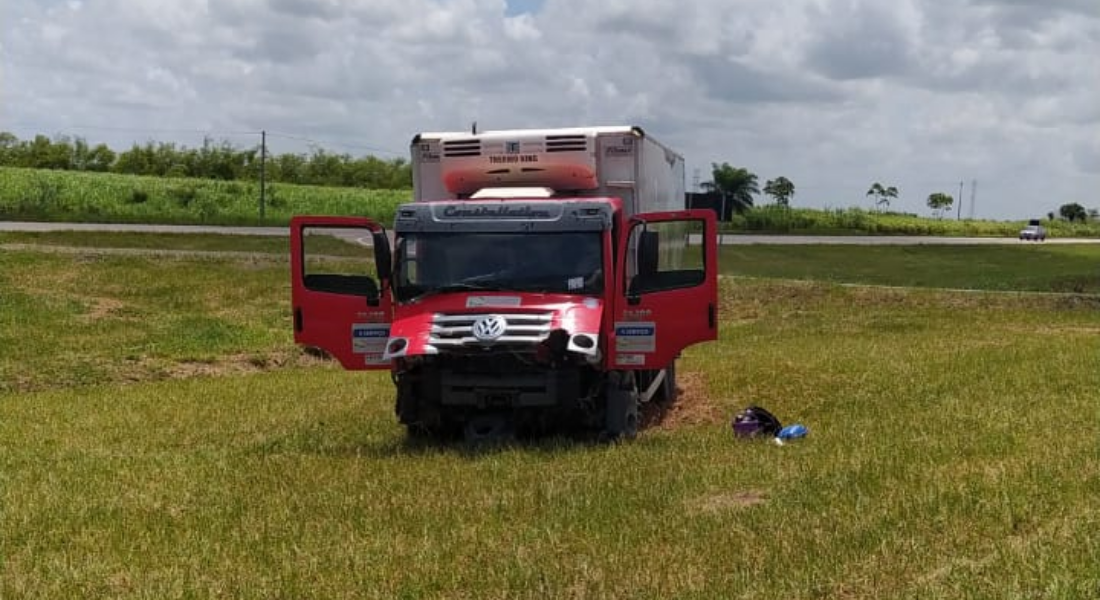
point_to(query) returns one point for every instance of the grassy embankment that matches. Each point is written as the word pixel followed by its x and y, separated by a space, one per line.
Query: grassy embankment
pixel 160 437
pixel 1024 267
pixel 855 221
pixel 28 194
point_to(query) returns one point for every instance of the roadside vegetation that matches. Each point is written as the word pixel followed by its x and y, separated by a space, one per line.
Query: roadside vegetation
pixel 771 218
pixel 732 193
pixel 160 436
pixel 69 179
pixel 221 161
pixel 45 195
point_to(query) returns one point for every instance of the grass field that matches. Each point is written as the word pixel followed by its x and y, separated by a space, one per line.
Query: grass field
pixel 160 437
pixel 1039 268
pixel 43 195
pixel 1024 267
pixel 770 218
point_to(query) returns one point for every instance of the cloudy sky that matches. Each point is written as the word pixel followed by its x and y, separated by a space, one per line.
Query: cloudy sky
pixel 832 94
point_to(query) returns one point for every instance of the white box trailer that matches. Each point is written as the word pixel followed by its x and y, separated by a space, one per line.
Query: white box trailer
pixel 618 161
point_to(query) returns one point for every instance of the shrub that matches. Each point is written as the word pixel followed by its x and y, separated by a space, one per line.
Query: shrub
pixel 183 195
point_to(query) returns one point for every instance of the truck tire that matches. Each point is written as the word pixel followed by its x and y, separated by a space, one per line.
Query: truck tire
pixel 621 421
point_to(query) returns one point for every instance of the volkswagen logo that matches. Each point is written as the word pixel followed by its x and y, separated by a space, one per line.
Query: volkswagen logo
pixel 489 328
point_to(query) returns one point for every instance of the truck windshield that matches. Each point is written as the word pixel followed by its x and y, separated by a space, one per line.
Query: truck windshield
pixel 564 263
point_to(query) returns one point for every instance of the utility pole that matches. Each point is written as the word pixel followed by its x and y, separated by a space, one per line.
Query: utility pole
pixel 959 216
pixel 973 196
pixel 263 174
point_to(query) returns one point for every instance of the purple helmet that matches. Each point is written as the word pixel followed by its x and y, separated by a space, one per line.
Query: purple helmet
pixel 754 421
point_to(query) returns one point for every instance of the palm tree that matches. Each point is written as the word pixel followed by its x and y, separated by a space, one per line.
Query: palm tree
pixel 882 194
pixel 735 183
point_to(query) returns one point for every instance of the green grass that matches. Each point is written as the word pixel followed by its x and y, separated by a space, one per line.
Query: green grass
pixel 1043 268
pixel 952 454
pixel 1028 267
pixel 212 242
pixel 70 320
pixel 110 198
pixel 855 221
pixel 278 246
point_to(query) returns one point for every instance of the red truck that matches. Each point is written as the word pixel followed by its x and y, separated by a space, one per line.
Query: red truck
pixel 540 278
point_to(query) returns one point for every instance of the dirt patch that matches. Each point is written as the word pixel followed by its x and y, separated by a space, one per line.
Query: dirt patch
pixel 693 405
pixel 238 364
pixel 101 308
pixel 716 503
pixel 1054 330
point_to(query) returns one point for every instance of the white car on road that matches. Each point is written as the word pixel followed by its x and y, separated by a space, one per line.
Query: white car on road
pixel 1034 233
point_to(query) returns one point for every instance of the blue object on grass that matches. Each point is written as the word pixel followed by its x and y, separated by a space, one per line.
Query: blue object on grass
pixel 791 432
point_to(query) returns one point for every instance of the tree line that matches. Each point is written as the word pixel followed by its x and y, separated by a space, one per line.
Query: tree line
pixel 212 160
pixel 740 185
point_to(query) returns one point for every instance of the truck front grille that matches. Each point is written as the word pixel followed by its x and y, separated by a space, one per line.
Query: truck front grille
pixel 456 330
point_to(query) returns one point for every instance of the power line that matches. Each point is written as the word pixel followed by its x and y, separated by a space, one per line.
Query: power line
pixel 319 142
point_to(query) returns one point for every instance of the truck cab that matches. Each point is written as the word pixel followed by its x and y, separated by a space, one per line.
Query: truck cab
pixel 517 294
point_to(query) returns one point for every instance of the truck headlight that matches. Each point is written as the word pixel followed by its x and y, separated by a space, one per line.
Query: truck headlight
pixel 396 347
pixel 585 344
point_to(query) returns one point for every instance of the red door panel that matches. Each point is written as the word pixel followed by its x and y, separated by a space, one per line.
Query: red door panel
pixel 340 288
pixel 666 293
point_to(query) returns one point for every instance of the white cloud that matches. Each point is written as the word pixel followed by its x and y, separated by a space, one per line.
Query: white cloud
pixel 522 28
pixel 833 94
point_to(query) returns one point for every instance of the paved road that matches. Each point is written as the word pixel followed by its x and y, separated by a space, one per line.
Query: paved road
pixel 726 239
pixel 28 226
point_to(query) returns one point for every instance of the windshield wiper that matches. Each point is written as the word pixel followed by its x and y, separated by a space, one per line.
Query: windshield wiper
pixel 459 286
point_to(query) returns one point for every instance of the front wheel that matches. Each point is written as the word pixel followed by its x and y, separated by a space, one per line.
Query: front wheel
pixel 621 419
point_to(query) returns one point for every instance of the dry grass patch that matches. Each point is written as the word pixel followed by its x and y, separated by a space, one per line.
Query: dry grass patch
pixel 238 364
pixel 725 501
pixel 103 308
pixel 694 405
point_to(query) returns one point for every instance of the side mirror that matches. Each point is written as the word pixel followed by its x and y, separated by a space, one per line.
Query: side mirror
pixel 382 256
pixel 649 248
pixel 648 253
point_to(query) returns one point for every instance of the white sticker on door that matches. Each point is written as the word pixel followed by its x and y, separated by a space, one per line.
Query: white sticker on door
pixel 369 338
pixel 630 359
pixel 636 336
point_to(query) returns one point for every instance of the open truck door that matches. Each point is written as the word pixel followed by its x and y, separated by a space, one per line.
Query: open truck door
pixel 340 288
pixel 666 295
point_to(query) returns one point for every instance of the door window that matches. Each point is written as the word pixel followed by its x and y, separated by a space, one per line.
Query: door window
pixel 666 255
pixel 339 261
